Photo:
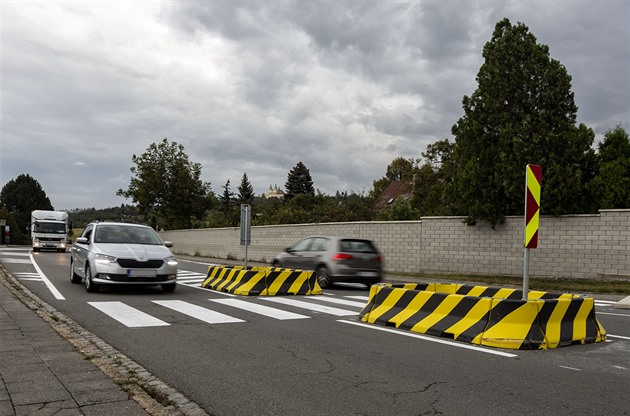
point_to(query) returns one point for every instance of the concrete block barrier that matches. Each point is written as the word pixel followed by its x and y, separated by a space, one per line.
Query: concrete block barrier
pixel 237 281
pixel 495 317
pixel 261 281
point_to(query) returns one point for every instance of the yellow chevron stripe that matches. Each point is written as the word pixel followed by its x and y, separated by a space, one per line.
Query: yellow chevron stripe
pixel 512 330
pixel 414 306
pixel 533 185
pixel 443 309
pixel 475 315
pixel 388 303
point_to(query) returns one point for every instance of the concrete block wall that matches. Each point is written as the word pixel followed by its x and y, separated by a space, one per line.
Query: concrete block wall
pixel 579 246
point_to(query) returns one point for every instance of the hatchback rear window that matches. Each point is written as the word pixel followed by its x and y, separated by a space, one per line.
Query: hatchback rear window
pixel 357 246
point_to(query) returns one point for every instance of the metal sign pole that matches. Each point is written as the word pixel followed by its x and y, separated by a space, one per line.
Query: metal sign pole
pixel 246 228
pixel 526 275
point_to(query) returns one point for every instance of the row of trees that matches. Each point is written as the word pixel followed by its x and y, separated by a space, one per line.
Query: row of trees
pixel 523 111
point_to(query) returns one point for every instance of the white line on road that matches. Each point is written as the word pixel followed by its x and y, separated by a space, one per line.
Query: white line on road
pixel 431 339
pixel 343 302
pixel 617 336
pixel 47 282
pixel 128 316
pixel 260 309
pixel 197 312
pixel 15 261
pixel 613 314
pixel 311 306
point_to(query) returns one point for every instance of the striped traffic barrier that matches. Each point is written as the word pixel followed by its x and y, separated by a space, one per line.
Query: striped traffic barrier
pixel 262 281
pixel 237 281
pixel 495 317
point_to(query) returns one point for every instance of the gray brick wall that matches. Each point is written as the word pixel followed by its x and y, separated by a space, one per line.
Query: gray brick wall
pixel 580 246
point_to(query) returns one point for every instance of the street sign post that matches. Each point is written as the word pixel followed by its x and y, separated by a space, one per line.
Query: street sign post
pixel 246 227
pixel 533 182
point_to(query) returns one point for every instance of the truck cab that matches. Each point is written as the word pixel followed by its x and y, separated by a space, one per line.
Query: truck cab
pixel 49 230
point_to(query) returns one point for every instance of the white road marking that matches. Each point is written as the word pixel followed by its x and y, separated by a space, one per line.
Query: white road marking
pixel 361 298
pixel 260 309
pixel 47 282
pixel 614 314
pixel 15 261
pixel 197 312
pixel 570 368
pixel 617 336
pixel 311 306
pixel 128 316
pixel 431 339
pixel 342 302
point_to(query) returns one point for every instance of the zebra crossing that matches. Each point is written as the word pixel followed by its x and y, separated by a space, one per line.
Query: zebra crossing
pixel 135 317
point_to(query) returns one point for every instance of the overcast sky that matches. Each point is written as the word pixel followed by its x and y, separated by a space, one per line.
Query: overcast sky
pixel 257 86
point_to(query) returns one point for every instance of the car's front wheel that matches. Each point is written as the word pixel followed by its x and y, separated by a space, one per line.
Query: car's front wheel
pixel 323 276
pixel 90 286
pixel 74 278
pixel 169 288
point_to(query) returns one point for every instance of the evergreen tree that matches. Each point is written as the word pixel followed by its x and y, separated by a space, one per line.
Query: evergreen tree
pixel 612 183
pixel 226 201
pixel 245 191
pixel 523 111
pixel 299 181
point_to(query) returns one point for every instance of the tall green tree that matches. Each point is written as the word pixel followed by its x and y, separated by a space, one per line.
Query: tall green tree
pixel 523 111
pixel 245 191
pixel 612 183
pixel 299 181
pixel 167 187
pixel 20 196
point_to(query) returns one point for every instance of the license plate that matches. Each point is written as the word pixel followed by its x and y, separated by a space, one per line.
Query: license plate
pixel 141 273
pixel 366 274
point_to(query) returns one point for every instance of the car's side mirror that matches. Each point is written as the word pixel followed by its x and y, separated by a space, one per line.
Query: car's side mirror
pixel 168 243
pixel 82 240
pixel 288 250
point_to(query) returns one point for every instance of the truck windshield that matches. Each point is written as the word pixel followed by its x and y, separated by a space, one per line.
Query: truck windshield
pixel 50 227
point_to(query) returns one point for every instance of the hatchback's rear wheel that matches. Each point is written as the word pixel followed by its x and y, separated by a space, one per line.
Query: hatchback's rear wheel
pixel 323 276
pixel 90 286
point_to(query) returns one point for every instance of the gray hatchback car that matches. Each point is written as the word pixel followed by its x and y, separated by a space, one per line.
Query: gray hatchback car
pixel 110 253
pixel 334 259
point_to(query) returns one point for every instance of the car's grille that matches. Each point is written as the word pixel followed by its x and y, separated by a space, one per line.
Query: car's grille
pixel 135 264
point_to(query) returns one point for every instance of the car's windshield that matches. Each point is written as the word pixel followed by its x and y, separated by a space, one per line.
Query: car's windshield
pixel 50 227
pixel 126 234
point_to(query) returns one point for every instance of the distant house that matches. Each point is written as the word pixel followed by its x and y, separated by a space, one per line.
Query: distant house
pixel 395 191
pixel 274 192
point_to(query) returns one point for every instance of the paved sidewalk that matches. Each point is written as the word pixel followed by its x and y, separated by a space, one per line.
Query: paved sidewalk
pixel 43 374
pixel 49 365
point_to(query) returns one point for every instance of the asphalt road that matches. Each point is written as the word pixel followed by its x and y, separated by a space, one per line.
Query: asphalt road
pixel 245 356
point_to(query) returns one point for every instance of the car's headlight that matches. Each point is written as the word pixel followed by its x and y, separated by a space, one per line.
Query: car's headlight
pixel 104 259
pixel 171 261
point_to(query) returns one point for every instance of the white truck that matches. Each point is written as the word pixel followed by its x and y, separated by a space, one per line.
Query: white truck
pixel 49 230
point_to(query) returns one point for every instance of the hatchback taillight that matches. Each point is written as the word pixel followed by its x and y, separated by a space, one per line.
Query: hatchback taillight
pixel 379 258
pixel 341 256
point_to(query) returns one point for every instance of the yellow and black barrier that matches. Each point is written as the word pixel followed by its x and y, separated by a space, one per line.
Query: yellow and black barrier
pixel 495 317
pixel 261 281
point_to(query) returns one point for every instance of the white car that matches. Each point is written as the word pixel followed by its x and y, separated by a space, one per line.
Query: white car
pixel 111 253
